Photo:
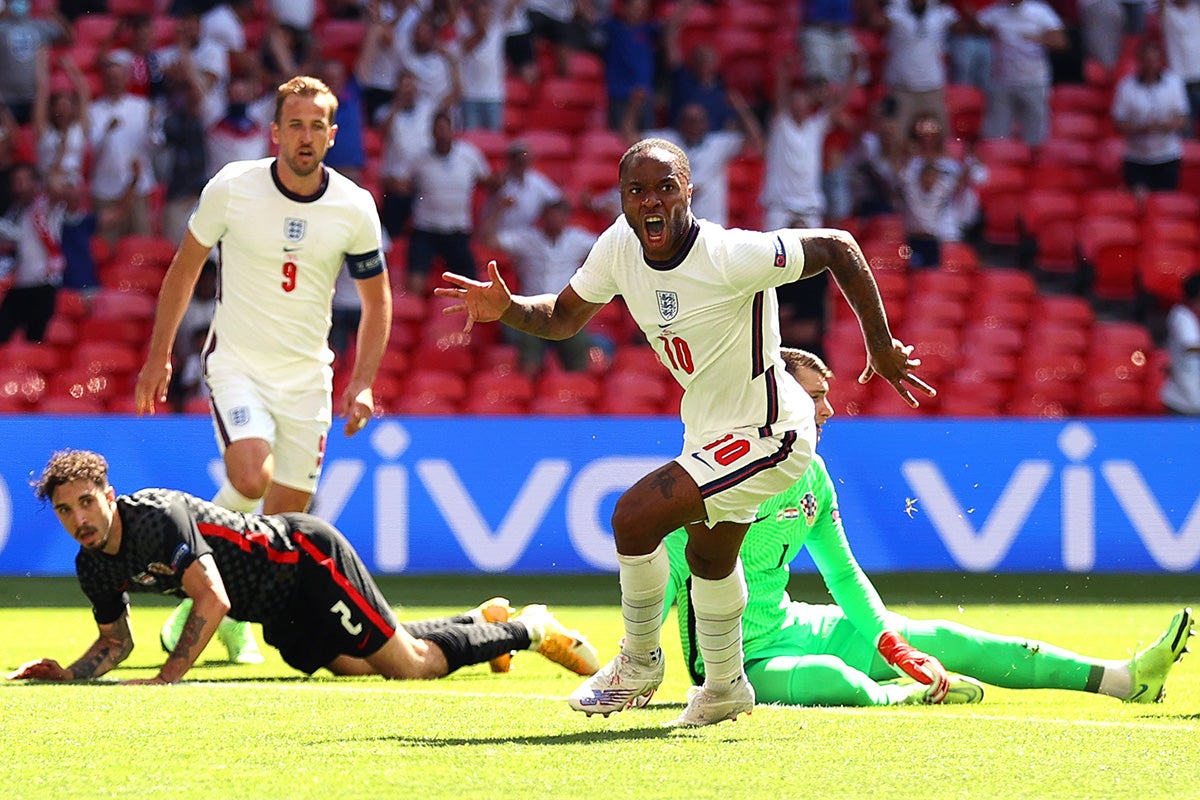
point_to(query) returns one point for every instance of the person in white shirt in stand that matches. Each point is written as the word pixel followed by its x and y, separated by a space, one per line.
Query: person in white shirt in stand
pixel 524 192
pixel 915 36
pixel 545 256
pixel 407 127
pixel 1180 33
pixel 436 71
pixel 792 195
pixel 209 59
pixel 120 137
pixel 481 65
pixel 1022 32
pixel 34 224
pixel 443 181
pixel 1181 392
pixel 1150 109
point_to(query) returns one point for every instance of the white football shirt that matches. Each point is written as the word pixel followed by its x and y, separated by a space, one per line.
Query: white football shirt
pixel 280 254
pixel 712 317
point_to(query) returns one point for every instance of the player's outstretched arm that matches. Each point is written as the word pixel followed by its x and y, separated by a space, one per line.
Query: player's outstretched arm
pixel 919 666
pixel 202 582
pixel 547 316
pixel 113 646
pixel 887 356
pixel 177 287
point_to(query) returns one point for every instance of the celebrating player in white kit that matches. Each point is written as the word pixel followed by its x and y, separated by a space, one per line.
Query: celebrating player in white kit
pixel 704 297
pixel 286 227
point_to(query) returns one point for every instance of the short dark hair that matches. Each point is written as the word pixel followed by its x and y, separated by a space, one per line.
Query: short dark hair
pixel 66 466
pixel 795 359
pixel 678 156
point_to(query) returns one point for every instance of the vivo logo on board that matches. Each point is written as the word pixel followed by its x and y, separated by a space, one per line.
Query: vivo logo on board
pixel 981 550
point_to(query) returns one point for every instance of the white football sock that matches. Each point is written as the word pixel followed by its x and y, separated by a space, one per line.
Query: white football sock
pixel 717 607
pixel 643 588
pixel 231 498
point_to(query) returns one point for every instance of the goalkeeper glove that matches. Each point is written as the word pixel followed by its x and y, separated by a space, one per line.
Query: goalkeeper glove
pixel 922 668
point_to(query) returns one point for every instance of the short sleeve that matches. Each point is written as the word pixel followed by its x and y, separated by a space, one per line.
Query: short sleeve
pixel 595 281
pixel 756 261
pixel 368 239
pixel 208 223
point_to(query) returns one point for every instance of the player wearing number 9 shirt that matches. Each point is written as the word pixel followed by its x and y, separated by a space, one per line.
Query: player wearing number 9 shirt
pixel 284 228
pixel 704 297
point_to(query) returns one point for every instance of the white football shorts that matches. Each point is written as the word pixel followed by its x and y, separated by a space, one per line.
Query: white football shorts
pixel 739 470
pixel 294 419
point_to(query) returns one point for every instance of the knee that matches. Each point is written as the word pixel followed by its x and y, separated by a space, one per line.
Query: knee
pixel 248 481
pixel 633 536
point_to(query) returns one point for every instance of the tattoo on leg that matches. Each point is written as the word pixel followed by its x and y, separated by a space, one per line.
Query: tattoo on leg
pixel 665 483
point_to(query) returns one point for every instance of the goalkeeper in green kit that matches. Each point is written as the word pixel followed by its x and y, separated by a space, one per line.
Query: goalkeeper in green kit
pixel 852 653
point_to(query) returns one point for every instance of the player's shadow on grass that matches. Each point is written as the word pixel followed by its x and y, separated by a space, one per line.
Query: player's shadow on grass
pixel 578 737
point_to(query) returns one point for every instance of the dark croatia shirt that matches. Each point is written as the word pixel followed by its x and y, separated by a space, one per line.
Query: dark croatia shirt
pixel 165 531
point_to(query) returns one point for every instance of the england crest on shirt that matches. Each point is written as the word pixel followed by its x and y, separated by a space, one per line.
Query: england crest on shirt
pixel 293 229
pixel 668 304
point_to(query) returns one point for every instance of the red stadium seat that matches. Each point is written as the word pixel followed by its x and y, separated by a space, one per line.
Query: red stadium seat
pixel 1172 204
pixel 1169 231
pixel 509 387
pixel 27 356
pixel 938 346
pixel 638 358
pixel 148 251
pixel 960 257
pixel 1054 336
pixel 1007 152
pixel 935 309
pixel 1081 126
pixel 964 106
pixel 113 304
pixel 1109 247
pixel 559 406
pixel 1006 281
pixel 1079 98
pixel 567 105
pixel 603 145
pixel 21 388
pixel 1110 398
pixel 1162 269
pixel 1109 203
pixel 108 357
pixel 568 386
pixel 954 285
pixel 1067 309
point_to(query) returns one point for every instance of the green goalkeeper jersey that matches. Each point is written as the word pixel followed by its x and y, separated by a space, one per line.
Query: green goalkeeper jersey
pixel 806 515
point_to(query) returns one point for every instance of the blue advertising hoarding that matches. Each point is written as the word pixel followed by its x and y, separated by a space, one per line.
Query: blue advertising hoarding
pixel 534 495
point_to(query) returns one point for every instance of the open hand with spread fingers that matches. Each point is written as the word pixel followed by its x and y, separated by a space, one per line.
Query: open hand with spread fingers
pixel 895 364
pixel 483 301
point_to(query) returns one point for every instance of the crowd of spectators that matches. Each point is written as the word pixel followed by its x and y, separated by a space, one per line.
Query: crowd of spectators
pixel 842 112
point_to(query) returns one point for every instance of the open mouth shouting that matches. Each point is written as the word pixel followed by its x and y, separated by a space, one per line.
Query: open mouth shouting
pixel 655 227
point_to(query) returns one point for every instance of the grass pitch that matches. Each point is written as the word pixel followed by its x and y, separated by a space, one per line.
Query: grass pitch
pixel 266 732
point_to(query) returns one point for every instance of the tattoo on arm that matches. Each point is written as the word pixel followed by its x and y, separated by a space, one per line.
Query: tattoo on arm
pixel 105 653
pixel 854 277
pixel 188 639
